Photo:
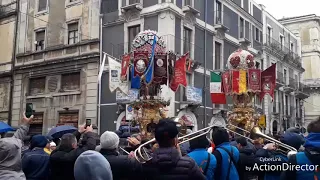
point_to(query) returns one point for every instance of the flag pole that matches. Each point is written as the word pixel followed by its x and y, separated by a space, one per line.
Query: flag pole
pixel 100 61
pixel 100 87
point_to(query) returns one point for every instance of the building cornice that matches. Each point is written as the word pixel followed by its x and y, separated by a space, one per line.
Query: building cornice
pixel 59 47
pixel 298 19
pixel 64 62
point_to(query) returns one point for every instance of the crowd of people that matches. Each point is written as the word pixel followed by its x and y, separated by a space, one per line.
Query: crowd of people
pixel 81 156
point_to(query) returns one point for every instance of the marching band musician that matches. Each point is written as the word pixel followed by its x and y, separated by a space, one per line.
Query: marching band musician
pixel 167 162
pixel 270 155
pixel 227 155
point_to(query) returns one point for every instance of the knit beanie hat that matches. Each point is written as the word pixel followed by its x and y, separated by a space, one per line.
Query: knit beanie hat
pixel 292 139
pixel 109 140
pixel 38 141
pixel 85 170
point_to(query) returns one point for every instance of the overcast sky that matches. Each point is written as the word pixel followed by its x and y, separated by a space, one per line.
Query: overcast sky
pixel 290 8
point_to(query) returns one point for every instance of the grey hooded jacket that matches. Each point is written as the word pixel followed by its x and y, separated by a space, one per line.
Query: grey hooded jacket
pixel 10 155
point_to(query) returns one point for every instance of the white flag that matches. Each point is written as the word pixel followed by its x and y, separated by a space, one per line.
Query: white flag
pixel 115 81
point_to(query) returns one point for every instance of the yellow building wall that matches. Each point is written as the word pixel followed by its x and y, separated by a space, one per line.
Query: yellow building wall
pixel 6 41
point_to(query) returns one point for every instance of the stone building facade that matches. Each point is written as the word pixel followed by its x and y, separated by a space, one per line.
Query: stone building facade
pixel 209 29
pixel 57 61
pixel 308 29
pixel 281 46
pixel 8 24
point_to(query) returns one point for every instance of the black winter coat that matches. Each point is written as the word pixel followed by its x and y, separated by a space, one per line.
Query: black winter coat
pixel 122 166
pixel 247 160
pixel 63 158
pixel 167 164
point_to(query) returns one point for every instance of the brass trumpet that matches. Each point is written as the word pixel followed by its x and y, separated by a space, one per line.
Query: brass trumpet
pixel 142 155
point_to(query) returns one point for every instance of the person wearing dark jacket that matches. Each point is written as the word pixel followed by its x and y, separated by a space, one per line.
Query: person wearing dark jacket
pixel 247 158
pixel 227 155
pixel 271 156
pixel 35 163
pixel 10 152
pixel 310 156
pixel 109 142
pixel 63 158
pixel 167 162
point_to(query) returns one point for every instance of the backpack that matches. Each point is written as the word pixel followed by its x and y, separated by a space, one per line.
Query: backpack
pixel 205 170
pixel 231 160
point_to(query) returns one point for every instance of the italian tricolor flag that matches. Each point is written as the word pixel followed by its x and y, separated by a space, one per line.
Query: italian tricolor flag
pixel 216 89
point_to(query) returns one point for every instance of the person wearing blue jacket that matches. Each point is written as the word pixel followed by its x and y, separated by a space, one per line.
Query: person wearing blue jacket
pixel 271 156
pixel 227 155
pixel 206 161
pixel 310 156
pixel 35 163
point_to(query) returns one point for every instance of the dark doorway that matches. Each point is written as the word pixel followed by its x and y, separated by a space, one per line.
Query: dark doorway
pixel 274 127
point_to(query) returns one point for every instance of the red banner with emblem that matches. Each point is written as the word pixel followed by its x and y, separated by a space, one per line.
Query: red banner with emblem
pixel 226 82
pixel 254 80
pixel 160 69
pixel 180 77
pixel 124 66
pixel 268 82
pixel 140 62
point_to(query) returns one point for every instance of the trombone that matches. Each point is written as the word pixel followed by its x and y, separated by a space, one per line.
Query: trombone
pixel 255 131
pixel 142 155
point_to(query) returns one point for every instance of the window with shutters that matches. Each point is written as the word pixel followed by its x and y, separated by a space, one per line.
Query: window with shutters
pixel 42 5
pixel 217 55
pixel 187 40
pixel 241 28
pixel 37 86
pixel 36 124
pixel 133 31
pixel 218 12
pixel 70 82
pixel 73 33
pixel 257 34
pixel 281 39
pixel 40 40
pixel 68 118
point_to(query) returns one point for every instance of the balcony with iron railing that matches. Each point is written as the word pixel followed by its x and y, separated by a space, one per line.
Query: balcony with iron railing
pixel 8 10
pixel 303 91
pixel 282 50
pixel 293 83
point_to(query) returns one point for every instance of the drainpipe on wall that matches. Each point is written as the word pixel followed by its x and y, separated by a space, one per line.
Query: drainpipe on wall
pixel 13 61
pixel 205 64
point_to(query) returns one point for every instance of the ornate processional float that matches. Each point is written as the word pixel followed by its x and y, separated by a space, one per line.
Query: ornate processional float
pixel 144 73
pixel 244 82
